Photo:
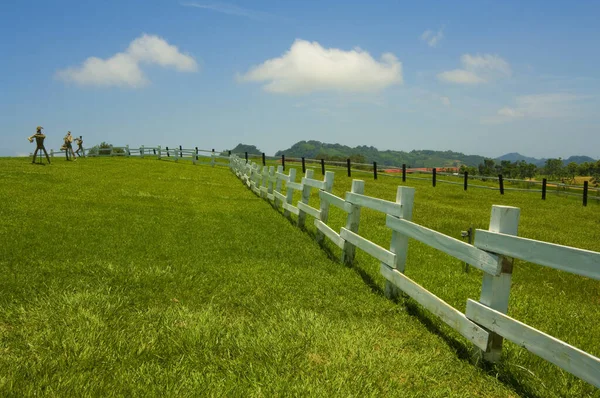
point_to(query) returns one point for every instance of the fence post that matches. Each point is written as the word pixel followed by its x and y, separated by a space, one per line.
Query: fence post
pixel 252 175
pixel 257 176
pixel 324 205
pixel 176 158
pixel 289 196
pixel 264 159
pixel 348 166
pixel 264 181
pixel 323 166
pixel 159 153
pixel 501 182
pixel 51 153
pixel 495 290
pixel 283 161
pixel 180 153
pixel 212 158
pixel 277 185
pixel 246 153
pixel 196 154
pixel 304 165
pixel 403 172
pixel 405 196
pixel 270 183
pixel 229 153
pixel 544 183
pixel 305 198
pixel 466 180
pixel 585 193
pixel 375 170
pixel 433 176
pixel 352 221
pixel 141 151
pixel 127 150
pixel 194 158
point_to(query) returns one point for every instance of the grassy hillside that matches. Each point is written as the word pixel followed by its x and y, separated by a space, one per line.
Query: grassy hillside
pixel 125 277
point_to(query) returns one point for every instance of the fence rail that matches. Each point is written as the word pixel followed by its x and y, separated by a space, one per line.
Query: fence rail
pixel 484 323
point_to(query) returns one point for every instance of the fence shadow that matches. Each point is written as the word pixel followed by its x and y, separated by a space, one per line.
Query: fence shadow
pixel 466 352
pixel 364 275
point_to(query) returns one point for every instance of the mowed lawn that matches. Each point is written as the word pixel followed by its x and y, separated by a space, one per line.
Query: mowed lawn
pixel 138 277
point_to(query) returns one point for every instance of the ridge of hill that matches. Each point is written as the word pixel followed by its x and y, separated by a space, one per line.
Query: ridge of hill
pixel 363 153
pixel 313 149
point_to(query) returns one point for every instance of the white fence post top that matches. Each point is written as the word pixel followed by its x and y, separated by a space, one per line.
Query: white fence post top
pixel 505 219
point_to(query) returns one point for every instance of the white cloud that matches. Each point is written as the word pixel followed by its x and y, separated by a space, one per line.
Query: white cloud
pixel 123 69
pixel 510 112
pixel 154 50
pixel 538 106
pixel 119 70
pixel 477 69
pixel 307 67
pixel 460 76
pixel 485 62
pixel 432 38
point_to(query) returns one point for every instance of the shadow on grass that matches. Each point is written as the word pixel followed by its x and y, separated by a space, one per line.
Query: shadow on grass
pixel 467 353
pixel 364 275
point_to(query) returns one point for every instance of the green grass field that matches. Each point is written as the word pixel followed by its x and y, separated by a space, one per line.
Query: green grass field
pixel 138 277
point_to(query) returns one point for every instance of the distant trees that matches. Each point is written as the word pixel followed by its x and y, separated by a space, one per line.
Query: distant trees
pixel 591 169
pixel 520 169
pixel 104 148
pixel 354 158
pixel 554 169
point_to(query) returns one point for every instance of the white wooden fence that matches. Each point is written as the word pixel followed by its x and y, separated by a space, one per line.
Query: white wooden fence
pixel 485 322
pixel 175 152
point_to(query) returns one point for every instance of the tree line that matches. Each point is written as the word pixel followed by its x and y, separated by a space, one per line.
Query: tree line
pixel 553 169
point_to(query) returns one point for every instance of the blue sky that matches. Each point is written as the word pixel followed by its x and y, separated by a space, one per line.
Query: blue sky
pixel 479 77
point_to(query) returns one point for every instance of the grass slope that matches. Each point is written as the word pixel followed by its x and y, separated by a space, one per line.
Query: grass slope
pixel 137 277
pixel 561 304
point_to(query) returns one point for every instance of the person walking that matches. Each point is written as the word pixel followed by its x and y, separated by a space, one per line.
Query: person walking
pixel 69 145
pixel 79 141
pixel 39 141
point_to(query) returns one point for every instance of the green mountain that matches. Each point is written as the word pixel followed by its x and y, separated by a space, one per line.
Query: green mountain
pixel 369 154
pixel 578 159
pixel 241 148
pixel 517 157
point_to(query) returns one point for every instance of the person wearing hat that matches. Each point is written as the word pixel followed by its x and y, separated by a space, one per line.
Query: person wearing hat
pixel 69 145
pixel 79 142
pixel 39 141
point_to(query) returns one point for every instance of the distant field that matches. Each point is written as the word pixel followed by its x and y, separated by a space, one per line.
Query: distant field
pixel 144 277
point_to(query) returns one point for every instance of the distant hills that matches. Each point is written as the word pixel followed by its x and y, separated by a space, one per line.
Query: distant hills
pixel 516 157
pixel 416 158
pixel 242 148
